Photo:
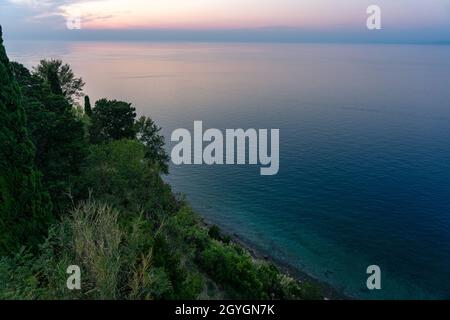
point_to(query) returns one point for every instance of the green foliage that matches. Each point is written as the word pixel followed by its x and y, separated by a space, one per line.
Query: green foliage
pixel 25 208
pixel 57 133
pixel 94 242
pixel 53 82
pixel 60 79
pixel 149 134
pixel 20 276
pixel 87 106
pixel 230 268
pixel 112 120
pixel 214 232
pixel 115 264
pixel 118 173
pixel 245 278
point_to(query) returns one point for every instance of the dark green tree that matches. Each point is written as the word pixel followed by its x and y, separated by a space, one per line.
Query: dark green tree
pixel 149 134
pixel 25 208
pixel 112 120
pixel 56 132
pixel 53 81
pixel 71 86
pixel 87 106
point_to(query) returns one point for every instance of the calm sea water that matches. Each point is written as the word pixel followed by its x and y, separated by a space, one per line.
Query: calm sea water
pixel 365 155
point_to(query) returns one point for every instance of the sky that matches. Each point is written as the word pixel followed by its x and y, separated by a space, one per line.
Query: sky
pixel 246 20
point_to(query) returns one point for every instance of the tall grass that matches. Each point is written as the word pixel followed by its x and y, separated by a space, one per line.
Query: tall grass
pixel 95 242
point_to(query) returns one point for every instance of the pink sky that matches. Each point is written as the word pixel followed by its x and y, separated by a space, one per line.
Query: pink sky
pixel 322 14
pixel 420 20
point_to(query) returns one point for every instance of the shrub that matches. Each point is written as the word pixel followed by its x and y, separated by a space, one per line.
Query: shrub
pixel 214 232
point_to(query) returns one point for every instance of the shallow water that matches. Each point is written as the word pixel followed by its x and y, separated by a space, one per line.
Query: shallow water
pixel 364 154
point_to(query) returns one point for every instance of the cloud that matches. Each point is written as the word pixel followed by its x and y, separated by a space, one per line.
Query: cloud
pixel 29 3
pixel 47 15
pixel 35 4
pixel 49 8
pixel 37 9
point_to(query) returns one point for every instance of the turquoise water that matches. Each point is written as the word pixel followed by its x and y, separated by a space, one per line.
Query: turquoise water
pixel 364 147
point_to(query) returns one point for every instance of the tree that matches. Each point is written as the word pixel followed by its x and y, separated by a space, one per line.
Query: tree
pixel 56 132
pixel 53 81
pixel 25 208
pixel 112 120
pixel 71 87
pixel 149 134
pixel 87 106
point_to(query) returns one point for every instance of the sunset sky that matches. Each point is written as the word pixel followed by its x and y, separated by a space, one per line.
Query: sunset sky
pixel 411 19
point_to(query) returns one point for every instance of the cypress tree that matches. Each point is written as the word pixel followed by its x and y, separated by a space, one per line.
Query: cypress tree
pixel 87 106
pixel 25 208
pixel 53 81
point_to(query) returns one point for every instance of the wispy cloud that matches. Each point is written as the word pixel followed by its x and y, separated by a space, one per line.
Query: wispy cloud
pixel 31 3
pixel 57 11
pixel 38 4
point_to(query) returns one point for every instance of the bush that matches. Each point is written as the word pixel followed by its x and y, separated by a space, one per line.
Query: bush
pixel 214 233
pixel 115 264
pixel 118 173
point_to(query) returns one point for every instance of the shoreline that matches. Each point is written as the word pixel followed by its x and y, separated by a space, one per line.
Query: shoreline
pixel 329 292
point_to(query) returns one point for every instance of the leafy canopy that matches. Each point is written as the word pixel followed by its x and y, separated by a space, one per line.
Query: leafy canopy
pixel 53 71
pixel 149 134
pixel 57 133
pixel 112 120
